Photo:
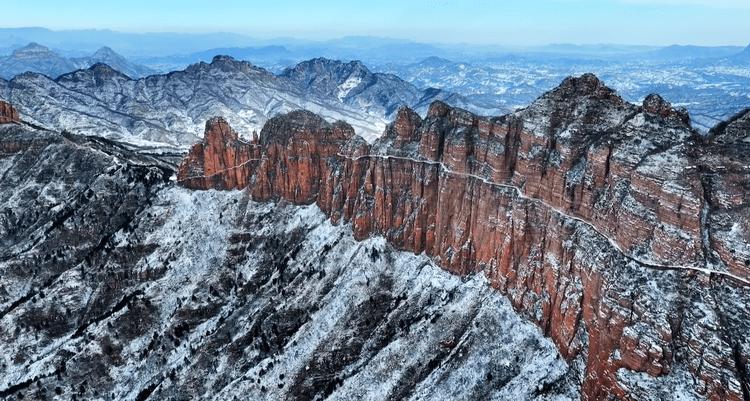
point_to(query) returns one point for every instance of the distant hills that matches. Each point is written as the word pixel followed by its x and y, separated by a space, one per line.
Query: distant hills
pixel 678 52
pixel 40 59
pixel 744 55
pixel 170 51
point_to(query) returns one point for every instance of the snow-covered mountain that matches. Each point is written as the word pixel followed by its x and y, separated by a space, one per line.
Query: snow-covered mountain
pixel 355 85
pixel 37 58
pixel 172 108
pixel 711 89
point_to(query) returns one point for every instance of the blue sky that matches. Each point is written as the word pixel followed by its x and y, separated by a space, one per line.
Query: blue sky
pixel 500 22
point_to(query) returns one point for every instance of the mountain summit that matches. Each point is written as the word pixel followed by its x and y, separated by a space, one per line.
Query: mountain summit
pixel 108 56
pixel 33 51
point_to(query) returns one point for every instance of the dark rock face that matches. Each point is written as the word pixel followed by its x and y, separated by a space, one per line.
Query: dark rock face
pixel 8 114
pixel 737 129
pixel 654 104
pixel 615 227
pixel 116 284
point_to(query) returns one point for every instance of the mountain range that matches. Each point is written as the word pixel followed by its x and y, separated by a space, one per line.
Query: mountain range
pixel 170 109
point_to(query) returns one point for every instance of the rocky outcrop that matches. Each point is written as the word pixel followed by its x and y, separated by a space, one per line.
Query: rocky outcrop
pixel 736 129
pixel 221 161
pixel 615 227
pixel 8 114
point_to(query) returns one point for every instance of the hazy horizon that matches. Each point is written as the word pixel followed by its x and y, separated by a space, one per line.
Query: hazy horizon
pixel 270 40
pixel 474 22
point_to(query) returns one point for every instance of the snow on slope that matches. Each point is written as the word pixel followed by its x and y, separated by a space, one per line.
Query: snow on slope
pixel 115 284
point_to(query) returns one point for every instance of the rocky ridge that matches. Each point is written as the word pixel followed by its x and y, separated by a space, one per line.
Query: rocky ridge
pixel 615 227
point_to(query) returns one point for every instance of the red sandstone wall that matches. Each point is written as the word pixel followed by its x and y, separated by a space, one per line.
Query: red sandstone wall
pixel 555 270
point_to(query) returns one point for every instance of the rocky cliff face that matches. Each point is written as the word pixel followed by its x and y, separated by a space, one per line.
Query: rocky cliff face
pixel 8 114
pixel 116 284
pixel 615 227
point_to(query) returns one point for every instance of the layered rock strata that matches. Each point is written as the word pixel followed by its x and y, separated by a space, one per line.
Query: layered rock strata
pixel 615 227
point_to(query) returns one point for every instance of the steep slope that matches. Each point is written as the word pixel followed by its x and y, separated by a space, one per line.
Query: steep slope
pixel 172 108
pixel 736 129
pixel 116 284
pixel 615 227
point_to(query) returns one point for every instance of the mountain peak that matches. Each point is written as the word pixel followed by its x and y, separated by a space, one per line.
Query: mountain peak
pixel 405 128
pixel 282 128
pixel 586 85
pixel 227 63
pixel 218 130
pixel 103 69
pixel 106 51
pixel 100 72
pixel 656 105
pixel 438 108
pixel 330 66
pixel 33 49
pixel 577 91
pixel 435 61
pixel 221 58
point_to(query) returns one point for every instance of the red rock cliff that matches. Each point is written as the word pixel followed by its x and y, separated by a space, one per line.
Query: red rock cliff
pixel 616 228
pixel 221 161
pixel 8 114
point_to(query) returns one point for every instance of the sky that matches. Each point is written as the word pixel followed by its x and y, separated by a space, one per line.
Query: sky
pixel 492 22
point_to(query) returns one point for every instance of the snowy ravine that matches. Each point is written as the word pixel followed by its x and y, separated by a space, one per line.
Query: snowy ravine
pixel 117 285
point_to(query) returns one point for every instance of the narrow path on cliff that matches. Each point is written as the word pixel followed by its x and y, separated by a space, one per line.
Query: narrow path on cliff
pixel 520 194
pixel 220 171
